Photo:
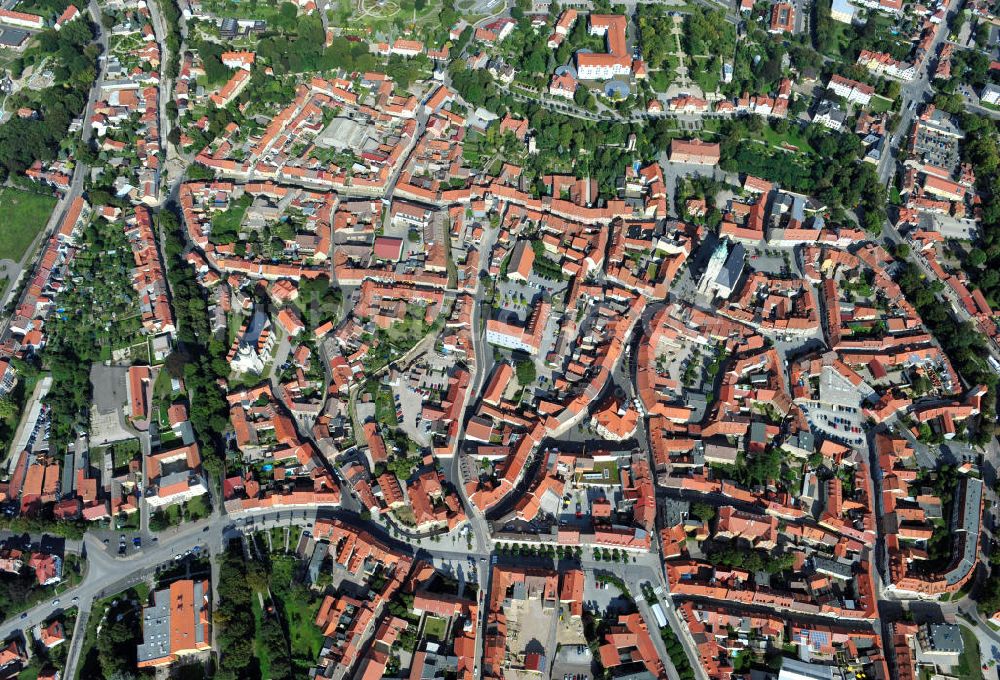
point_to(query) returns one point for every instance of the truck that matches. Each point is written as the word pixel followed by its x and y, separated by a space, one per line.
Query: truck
pixel 661 620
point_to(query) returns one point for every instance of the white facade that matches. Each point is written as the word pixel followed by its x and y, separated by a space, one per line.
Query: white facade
pixel 510 341
pixel 991 95
pixel 603 71
pixel 849 91
pixel 196 487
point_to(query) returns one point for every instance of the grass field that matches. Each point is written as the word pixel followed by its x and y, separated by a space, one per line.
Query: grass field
pixel 969 665
pixel 307 639
pixel 24 215
pixel 300 612
pixel 793 137
pixel 880 104
pixel 434 627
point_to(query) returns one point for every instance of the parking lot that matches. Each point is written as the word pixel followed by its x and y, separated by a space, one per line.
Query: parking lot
pixel 836 422
pixel 31 423
pixel 573 662
pixel 518 298
pixel 770 261
pixel 409 405
pixel 110 396
pixel 603 597
pixel 835 389
pixel 935 148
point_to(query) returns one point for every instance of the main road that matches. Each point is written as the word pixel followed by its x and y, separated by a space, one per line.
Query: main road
pixel 914 93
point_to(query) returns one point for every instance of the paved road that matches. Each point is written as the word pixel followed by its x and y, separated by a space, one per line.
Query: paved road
pixel 913 94
pixel 166 84
pixel 107 574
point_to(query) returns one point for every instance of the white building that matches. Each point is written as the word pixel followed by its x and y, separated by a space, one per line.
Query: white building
pixel 174 477
pixel 851 90
pixel 830 115
pixel 253 349
pixel 990 95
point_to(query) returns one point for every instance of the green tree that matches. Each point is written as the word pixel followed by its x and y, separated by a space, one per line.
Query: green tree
pixel 703 511
pixel 526 373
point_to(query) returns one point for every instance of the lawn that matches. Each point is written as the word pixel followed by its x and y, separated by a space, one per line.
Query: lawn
pixel 307 639
pixel 707 78
pixel 389 16
pixel 794 137
pixel 300 612
pixel 840 38
pixel 408 332
pixel 969 666
pixel 171 516
pixel 880 104
pixel 162 389
pixel 226 224
pixel 475 149
pixel 24 215
pixel 278 539
pixel 610 468
pixel 124 452
pixel 198 508
pixel 127 521
pixel 434 626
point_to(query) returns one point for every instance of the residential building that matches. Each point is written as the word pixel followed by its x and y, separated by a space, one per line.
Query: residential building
pixel 176 625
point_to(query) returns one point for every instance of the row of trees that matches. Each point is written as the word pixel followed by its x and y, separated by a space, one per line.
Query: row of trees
pixel 540 550
pixel 678 657
pixel 981 148
pixel 199 357
pixel 233 618
pixel 172 21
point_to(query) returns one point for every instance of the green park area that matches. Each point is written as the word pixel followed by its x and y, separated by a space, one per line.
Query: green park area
pixel 24 215
pixel 881 104
pixel 385 15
